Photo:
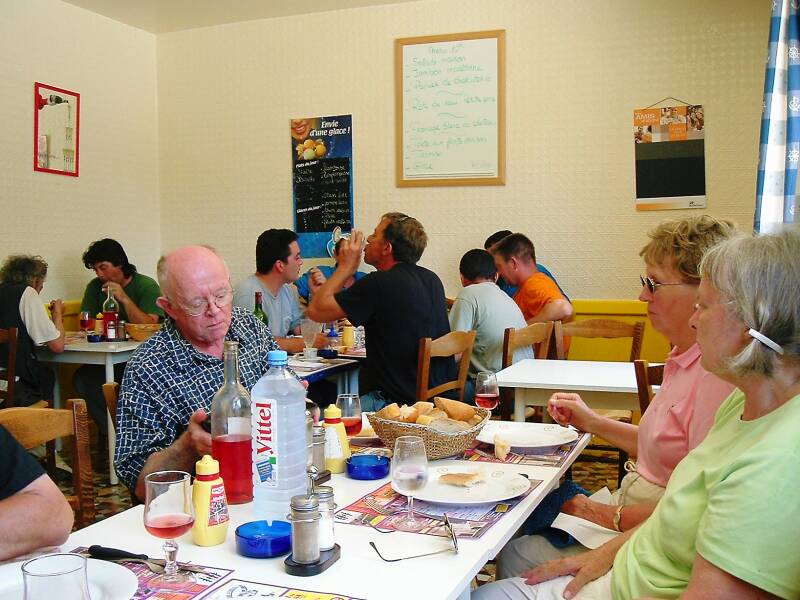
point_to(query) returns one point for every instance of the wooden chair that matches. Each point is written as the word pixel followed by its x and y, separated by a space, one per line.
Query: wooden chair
pixel 600 328
pixel 647 376
pixel 35 426
pixel 536 335
pixel 111 394
pixel 451 344
pixel 9 375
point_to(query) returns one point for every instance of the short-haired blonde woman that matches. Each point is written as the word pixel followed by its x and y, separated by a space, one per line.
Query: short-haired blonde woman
pixel 728 525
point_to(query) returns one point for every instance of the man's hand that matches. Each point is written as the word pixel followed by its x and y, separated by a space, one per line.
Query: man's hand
pixel 116 290
pixel 315 280
pixel 349 257
pixel 57 308
pixel 585 567
pixel 196 437
pixel 570 409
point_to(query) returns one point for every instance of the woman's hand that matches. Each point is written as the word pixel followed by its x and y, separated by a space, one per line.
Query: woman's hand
pixel 584 567
pixel 570 409
pixel 585 508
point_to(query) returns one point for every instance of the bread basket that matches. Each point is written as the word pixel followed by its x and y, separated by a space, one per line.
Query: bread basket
pixel 141 331
pixel 437 443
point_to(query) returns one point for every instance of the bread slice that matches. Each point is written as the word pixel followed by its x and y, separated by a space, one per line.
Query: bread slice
pixel 448 425
pixel 501 447
pixel 462 479
pixel 424 408
pixel 424 420
pixel 437 413
pixel 366 432
pixel 455 409
pixel 390 411
pixel 408 414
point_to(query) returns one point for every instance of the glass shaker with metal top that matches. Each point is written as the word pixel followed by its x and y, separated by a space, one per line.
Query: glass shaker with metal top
pixel 305 529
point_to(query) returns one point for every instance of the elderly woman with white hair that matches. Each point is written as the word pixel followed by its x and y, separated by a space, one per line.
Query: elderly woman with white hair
pixel 728 525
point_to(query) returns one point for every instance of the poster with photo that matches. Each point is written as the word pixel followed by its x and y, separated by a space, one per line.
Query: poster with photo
pixel 322 181
pixel 669 149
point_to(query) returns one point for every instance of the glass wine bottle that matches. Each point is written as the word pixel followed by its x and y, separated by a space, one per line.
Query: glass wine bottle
pixel 230 431
pixel 258 311
pixel 110 316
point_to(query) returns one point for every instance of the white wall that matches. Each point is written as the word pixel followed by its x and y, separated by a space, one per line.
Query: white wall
pixel 113 67
pixel 576 71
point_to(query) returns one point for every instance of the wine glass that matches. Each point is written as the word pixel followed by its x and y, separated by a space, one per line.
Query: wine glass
pixel 85 320
pixel 487 394
pixel 350 405
pixel 168 514
pixel 409 475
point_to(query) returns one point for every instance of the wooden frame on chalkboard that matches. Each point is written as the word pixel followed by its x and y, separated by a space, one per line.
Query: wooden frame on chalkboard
pixel 463 87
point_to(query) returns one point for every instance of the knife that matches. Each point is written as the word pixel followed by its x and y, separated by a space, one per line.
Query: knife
pixel 104 553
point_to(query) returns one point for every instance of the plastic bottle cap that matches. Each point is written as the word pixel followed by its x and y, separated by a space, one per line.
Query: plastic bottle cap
pixel 207 466
pixel 332 412
pixel 276 357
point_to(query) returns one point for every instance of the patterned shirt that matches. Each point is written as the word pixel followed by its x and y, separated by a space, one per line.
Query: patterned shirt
pixel 167 379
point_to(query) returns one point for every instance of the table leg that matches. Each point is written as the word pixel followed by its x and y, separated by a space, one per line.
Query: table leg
pixel 57 398
pixel 112 434
pixel 352 381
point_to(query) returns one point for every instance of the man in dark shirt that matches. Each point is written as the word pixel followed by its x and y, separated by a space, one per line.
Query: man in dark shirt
pixel 33 511
pixel 397 305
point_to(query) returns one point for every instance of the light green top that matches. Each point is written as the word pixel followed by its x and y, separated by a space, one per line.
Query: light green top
pixel 735 500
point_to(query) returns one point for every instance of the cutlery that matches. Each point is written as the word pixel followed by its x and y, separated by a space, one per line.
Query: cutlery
pixel 154 564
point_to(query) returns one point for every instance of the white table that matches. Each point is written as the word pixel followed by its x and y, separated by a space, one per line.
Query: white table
pixel 359 572
pixel 608 385
pixel 89 353
pixel 344 370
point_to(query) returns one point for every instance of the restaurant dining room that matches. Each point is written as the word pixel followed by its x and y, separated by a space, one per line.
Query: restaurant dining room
pixel 387 299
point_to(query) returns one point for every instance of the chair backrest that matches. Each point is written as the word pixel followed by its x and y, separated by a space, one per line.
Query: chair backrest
pixel 35 426
pixel 111 394
pixel 537 335
pixel 451 344
pixel 600 328
pixel 9 337
pixel 647 376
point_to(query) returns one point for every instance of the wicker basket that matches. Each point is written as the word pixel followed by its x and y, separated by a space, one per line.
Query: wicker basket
pixel 437 443
pixel 141 331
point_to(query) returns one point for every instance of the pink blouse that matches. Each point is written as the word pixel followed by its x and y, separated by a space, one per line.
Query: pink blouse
pixel 679 416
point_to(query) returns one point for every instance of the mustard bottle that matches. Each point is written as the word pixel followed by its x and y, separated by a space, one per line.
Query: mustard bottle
pixel 210 505
pixel 337 448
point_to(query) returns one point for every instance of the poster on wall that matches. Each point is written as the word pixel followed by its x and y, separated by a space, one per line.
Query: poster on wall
pixel 670 157
pixel 322 180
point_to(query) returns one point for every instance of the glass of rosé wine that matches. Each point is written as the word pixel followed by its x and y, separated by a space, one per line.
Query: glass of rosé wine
pixel 168 514
pixel 487 394
pixel 350 405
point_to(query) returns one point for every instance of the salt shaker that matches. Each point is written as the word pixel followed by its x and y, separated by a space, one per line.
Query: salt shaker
pixel 319 448
pixel 305 519
pixel 326 507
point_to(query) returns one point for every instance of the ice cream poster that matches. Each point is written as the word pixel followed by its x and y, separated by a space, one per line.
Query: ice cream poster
pixel 322 176
pixel 669 148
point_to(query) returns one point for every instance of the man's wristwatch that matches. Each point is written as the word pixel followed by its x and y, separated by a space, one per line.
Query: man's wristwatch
pixel 617 518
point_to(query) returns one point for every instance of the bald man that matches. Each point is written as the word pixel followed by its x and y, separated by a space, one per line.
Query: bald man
pixel 171 378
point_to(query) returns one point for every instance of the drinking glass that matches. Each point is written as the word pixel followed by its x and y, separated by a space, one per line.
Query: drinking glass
pixel 85 321
pixel 309 330
pixel 350 405
pixel 168 514
pixel 409 475
pixel 60 574
pixel 487 395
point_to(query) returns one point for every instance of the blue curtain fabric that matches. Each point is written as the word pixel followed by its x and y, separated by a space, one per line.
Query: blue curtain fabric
pixel 776 186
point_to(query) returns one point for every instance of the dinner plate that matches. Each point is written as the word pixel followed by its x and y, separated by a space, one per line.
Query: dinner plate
pixel 527 435
pixel 499 485
pixel 107 581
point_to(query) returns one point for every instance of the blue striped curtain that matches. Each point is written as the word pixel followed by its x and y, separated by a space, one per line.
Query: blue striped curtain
pixel 776 186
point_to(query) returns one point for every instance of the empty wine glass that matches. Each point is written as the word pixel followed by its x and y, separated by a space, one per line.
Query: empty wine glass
pixel 168 514
pixel 487 394
pixel 409 475
pixel 350 405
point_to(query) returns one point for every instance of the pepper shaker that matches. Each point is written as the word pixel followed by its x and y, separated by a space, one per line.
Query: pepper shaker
pixel 305 529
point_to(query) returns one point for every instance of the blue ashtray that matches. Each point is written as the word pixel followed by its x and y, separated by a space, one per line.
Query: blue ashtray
pixel 259 539
pixel 328 353
pixel 94 337
pixel 367 466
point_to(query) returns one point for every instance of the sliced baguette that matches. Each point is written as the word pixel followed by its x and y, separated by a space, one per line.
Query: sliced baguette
pixel 462 479
pixel 408 414
pixel 424 408
pixel 455 409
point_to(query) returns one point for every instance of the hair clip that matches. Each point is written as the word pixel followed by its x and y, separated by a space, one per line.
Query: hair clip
pixel 765 340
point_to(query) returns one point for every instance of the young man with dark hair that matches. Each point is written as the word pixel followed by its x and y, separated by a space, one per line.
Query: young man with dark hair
pixel 538 297
pixel 502 283
pixel 484 307
pixel 278 265
pixel 136 295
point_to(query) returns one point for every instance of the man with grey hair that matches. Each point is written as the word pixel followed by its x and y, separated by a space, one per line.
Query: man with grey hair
pixel 170 380
pixel 397 305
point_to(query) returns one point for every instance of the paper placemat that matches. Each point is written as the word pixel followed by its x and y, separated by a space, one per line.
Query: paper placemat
pixel 240 588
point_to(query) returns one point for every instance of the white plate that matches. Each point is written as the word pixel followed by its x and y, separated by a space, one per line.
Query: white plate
pixel 499 485
pixel 107 581
pixel 361 440
pixel 527 435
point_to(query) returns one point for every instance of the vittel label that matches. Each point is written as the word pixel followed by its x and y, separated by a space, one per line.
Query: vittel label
pixel 265 443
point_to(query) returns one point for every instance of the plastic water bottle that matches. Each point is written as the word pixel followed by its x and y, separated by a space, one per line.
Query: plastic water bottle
pixel 279 440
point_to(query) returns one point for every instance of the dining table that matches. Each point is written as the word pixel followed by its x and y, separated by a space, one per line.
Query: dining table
pixel 603 385
pixel 359 573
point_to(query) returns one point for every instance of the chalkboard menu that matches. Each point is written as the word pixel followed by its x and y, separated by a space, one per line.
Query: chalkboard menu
pixel 322 195
pixel 450 109
pixel 322 179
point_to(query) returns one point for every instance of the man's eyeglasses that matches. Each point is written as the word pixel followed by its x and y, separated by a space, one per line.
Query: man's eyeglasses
pixel 653 286
pixel 448 527
pixel 197 307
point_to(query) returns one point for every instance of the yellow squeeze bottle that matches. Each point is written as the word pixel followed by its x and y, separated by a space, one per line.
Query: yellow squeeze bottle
pixel 337 448
pixel 210 504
